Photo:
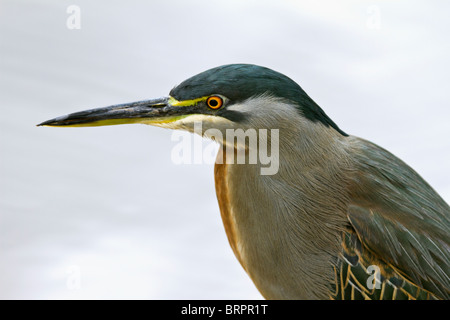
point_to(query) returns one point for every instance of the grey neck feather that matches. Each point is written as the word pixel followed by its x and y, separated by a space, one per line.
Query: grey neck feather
pixel 288 226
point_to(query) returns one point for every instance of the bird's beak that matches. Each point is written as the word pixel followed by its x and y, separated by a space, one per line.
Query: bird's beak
pixel 156 111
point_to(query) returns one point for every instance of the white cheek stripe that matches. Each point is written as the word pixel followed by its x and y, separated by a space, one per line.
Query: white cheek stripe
pixel 191 119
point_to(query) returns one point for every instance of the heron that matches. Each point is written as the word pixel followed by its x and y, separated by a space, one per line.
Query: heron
pixel 339 218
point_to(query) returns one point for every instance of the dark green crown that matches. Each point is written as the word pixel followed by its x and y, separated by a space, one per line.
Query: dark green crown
pixel 239 82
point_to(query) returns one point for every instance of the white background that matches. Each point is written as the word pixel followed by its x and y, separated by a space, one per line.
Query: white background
pixel 103 213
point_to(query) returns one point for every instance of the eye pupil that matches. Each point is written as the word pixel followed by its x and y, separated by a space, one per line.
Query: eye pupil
pixel 214 102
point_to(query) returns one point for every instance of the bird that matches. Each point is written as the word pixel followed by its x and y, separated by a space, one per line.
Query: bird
pixel 332 216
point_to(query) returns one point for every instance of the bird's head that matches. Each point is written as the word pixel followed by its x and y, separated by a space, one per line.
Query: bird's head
pixel 234 96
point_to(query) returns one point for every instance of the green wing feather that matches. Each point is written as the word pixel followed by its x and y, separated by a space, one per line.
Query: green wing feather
pixel 398 224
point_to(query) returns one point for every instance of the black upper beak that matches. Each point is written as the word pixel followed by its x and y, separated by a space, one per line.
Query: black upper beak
pixel 154 110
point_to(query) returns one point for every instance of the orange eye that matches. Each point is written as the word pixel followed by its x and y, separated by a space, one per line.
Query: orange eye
pixel 214 102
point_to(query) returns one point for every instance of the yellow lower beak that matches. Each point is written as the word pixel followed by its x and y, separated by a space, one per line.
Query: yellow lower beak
pixel 148 111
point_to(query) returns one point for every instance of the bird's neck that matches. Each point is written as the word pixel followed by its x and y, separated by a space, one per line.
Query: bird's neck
pixel 290 220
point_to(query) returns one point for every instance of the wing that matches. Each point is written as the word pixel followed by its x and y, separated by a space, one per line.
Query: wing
pixel 401 224
pixel 359 274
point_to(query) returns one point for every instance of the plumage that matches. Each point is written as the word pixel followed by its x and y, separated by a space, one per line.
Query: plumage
pixel 339 218
pixel 400 219
pixel 396 229
pixel 240 82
